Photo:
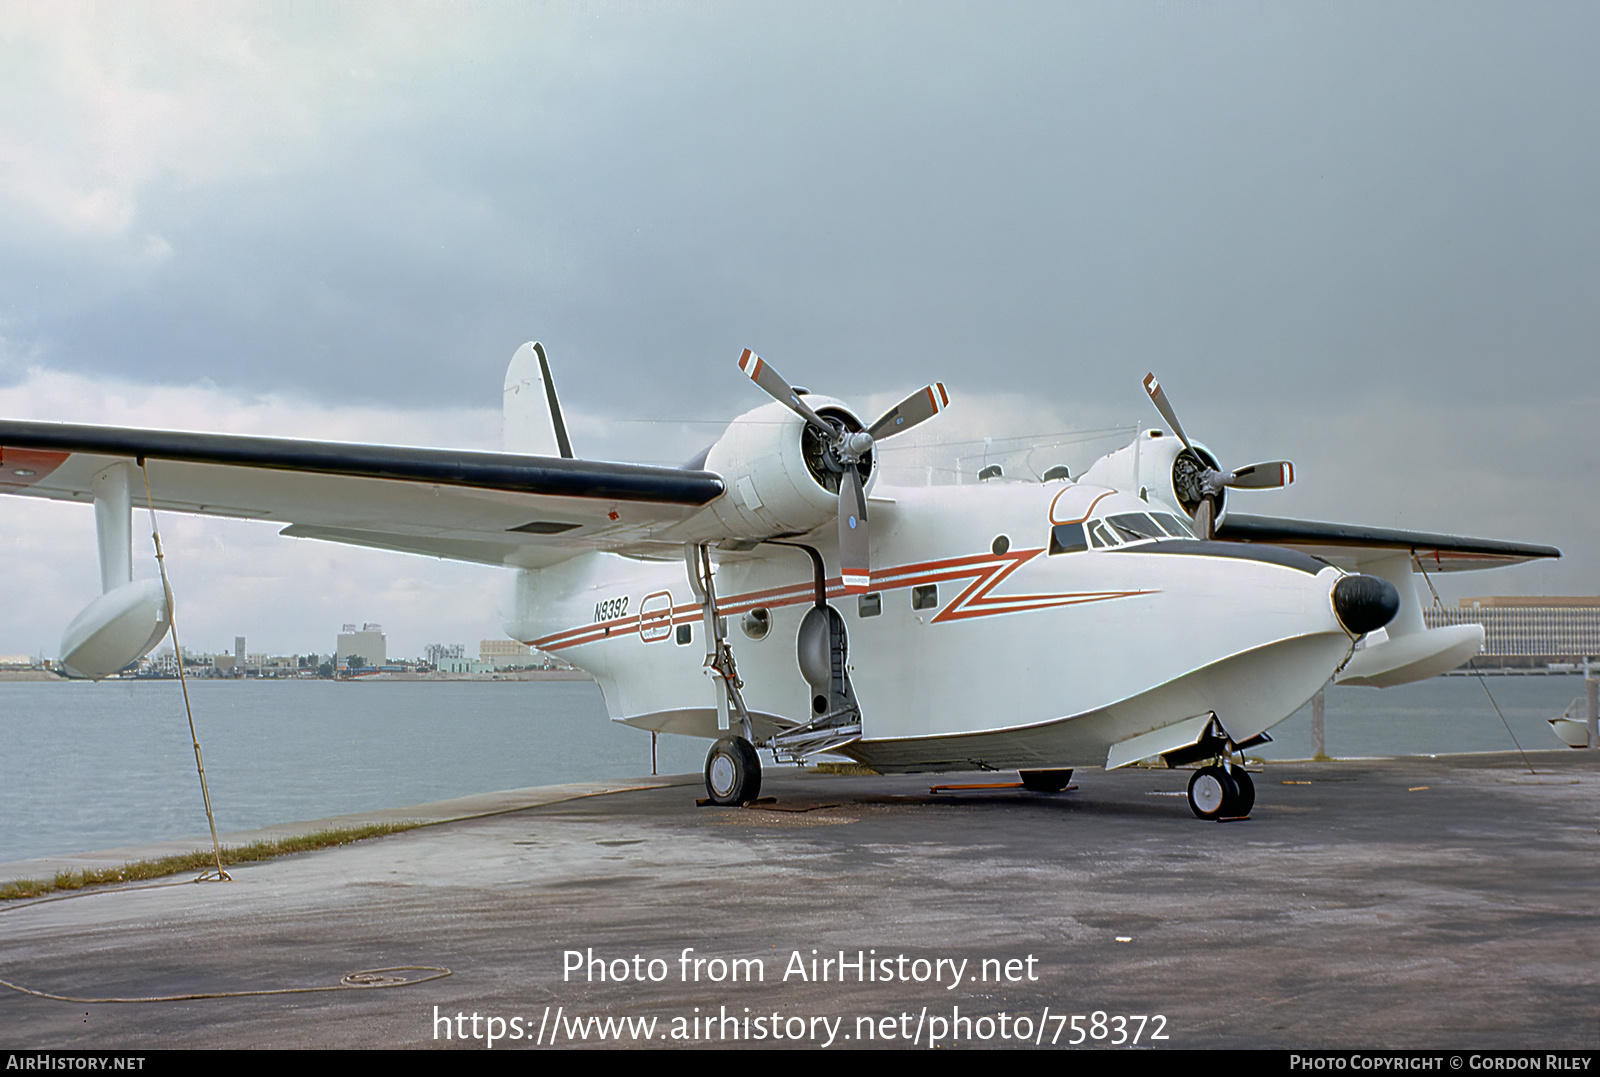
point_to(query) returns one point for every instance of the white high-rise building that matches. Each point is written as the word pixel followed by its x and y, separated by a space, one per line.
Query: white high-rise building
pixel 367 642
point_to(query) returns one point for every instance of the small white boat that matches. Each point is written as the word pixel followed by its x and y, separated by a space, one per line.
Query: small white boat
pixel 1572 727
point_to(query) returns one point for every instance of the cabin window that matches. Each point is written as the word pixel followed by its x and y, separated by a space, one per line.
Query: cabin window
pixel 925 597
pixel 756 623
pixel 1100 537
pixel 1000 545
pixel 686 633
pixel 1067 538
pixel 869 605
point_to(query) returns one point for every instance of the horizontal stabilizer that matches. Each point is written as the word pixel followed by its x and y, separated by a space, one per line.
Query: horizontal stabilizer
pixel 482 552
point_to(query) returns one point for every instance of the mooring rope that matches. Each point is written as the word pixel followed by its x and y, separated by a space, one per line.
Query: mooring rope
pixel 1473 665
pixel 177 653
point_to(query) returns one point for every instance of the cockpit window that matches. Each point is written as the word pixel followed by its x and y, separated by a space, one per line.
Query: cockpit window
pixel 1176 527
pixel 1133 526
pixel 1118 530
pixel 1067 538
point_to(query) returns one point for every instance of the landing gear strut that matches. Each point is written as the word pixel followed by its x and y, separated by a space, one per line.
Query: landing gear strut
pixel 1221 792
pixel 733 772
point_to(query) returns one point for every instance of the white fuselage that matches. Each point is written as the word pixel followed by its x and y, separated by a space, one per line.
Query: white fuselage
pixel 1019 658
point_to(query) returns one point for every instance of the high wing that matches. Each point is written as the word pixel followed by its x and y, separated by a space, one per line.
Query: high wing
pixel 1350 546
pixel 492 508
pixel 1410 650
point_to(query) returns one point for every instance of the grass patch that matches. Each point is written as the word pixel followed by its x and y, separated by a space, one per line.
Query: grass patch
pixel 199 860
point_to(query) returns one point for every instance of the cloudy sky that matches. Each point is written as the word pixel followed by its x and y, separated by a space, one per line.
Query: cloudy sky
pixel 1361 236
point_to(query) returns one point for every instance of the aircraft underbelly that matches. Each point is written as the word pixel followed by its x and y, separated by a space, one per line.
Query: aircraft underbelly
pixel 1249 692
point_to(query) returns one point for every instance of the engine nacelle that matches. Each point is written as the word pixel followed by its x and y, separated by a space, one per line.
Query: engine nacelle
pixel 1157 467
pixel 777 473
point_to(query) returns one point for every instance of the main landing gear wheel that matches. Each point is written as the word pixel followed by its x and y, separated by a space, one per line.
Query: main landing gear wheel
pixel 1045 781
pixel 1219 793
pixel 733 771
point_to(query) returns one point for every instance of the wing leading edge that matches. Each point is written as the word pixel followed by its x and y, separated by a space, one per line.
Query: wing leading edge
pixel 452 467
pixel 1350 545
pixel 495 508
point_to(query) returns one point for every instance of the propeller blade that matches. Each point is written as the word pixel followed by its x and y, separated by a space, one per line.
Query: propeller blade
pixel 923 404
pixel 1268 476
pixel 1202 519
pixel 776 387
pixel 854 558
pixel 1159 399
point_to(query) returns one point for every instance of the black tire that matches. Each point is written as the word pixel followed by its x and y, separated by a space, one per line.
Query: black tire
pixel 1045 781
pixel 733 772
pixel 1212 792
pixel 1247 794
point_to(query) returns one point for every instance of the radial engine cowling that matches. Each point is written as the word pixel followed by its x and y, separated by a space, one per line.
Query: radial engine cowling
pixel 778 476
pixel 1157 467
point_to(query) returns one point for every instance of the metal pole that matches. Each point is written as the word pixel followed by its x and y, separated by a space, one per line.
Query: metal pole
pixel 1317 751
pixel 1592 689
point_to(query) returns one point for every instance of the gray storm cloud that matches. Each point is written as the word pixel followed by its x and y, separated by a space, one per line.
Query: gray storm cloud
pixel 1362 236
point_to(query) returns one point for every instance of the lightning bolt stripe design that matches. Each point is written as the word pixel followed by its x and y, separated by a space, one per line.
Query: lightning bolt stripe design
pixel 986 571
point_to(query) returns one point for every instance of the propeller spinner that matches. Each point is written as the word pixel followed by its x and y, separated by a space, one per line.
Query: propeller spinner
pixel 1208 482
pixel 846 450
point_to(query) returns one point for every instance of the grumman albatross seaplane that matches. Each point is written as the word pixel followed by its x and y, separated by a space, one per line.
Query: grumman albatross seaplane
pixel 1120 616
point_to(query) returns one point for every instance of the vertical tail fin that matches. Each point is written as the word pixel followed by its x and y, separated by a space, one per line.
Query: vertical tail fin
pixel 531 419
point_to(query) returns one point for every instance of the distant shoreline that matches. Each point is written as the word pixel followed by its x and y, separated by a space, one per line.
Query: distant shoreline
pixel 506 675
pixel 42 675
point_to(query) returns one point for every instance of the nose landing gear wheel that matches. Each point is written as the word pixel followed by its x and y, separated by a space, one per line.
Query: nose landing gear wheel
pixel 1247 793
pixel 733 772
pixel 1212 793
pixel 1045 781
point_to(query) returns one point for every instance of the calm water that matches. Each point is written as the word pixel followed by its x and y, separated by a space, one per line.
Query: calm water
pixel 94 766
pixel 1438 716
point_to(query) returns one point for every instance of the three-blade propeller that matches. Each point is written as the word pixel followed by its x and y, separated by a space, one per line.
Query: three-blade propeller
pixel 846 450
pixel 1209 480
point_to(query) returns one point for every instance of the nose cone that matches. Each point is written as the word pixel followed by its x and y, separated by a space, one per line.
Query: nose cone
pixel 1365 603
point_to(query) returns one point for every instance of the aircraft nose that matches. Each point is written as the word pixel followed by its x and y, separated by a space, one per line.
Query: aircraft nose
pixel 1365 603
